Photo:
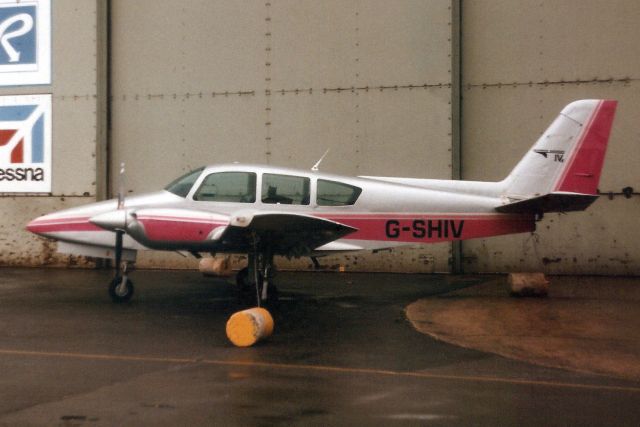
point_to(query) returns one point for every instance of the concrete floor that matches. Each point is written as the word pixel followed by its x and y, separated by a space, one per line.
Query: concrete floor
pixel 343 354
pixel 587 324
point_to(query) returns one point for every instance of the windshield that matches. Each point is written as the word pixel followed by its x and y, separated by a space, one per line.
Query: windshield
pixel 181 186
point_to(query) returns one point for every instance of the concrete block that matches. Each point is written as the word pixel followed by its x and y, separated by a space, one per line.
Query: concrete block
pixel 528 284
pixel 217 266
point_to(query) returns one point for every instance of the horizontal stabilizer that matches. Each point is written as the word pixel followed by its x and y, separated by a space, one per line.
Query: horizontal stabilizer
pixel 552 202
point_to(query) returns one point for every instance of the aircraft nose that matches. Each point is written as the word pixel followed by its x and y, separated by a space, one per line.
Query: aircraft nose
pixel 37 225
pixel 54 225
pixel 31 225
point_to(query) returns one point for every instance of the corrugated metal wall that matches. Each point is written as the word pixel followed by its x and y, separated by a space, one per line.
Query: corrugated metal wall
pixel 280 81
pixel 522 62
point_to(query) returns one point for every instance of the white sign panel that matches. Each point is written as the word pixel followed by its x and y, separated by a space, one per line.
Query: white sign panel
pixel 25 42
pixel 25 144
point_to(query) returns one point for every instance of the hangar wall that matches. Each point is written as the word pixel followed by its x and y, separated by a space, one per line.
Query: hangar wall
pixel 522 62
pixel 280 82
pixel 78 101
pixel 377 82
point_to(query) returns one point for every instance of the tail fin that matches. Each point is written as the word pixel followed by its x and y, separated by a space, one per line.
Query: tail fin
pixel 562 170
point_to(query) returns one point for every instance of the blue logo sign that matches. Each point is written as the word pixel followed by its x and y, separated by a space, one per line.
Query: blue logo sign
pixel 18 35
pixel 25 42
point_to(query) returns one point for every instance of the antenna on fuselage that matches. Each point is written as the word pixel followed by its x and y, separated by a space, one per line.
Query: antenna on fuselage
pixel 316 167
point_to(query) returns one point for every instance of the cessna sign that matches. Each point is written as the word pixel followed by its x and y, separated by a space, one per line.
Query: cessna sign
pixel 25 144
pixel 25 42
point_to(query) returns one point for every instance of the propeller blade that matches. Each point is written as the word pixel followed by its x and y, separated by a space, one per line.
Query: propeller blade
pixel 119 230
pixel 118 249
pixel 121 187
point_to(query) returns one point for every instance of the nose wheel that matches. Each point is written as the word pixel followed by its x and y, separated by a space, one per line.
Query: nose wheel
pixel 121 289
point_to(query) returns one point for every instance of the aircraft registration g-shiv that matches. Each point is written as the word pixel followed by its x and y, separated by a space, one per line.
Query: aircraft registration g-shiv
pixel 263 211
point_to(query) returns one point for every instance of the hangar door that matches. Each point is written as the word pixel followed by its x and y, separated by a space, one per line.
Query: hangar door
pixel 523 62
pixel 279 82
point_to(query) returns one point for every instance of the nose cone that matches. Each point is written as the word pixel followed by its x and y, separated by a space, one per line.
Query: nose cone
pixel 112 220
pixel 57 225
pixel 67 223
pixel 37 226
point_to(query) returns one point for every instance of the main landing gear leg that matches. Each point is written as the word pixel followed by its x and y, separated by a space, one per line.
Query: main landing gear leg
pixel 255 282
pixel 121 287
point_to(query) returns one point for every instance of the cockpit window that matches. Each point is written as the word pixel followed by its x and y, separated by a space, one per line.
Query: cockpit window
pixel 332 193
pixel 232 187
pixel 285 189
pixel 181 186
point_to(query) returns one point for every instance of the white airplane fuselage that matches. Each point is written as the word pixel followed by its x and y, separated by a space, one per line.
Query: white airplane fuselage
pixel 264 211
pixel 387 213
pixel 236 208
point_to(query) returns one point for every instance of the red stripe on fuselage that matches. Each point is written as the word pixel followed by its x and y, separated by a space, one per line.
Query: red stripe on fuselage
pixel 432 228
pixel 405 228
pixel 61 225
pixel 176 229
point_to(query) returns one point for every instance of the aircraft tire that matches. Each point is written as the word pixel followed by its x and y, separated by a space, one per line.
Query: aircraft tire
pixel 118 297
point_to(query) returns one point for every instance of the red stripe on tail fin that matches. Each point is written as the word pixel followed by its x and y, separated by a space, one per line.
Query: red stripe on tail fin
pixel 582 173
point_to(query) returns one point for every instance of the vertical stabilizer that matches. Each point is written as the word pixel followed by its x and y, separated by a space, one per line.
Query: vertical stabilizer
pixel 568 157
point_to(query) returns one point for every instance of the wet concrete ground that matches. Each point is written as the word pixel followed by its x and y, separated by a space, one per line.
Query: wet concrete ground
pixel 587 324
pixel 343 354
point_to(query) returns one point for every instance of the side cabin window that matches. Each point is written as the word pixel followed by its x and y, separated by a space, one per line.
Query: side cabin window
pixel 285 189
pixel 232 187
pixel 332 193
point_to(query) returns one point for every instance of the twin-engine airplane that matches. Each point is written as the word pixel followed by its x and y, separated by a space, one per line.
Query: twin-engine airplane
pixel 265 211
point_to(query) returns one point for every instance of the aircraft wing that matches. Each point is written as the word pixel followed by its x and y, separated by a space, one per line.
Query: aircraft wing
pixel 287 234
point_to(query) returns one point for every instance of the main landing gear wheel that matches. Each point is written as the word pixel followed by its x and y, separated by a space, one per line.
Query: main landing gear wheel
pixel 121 289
